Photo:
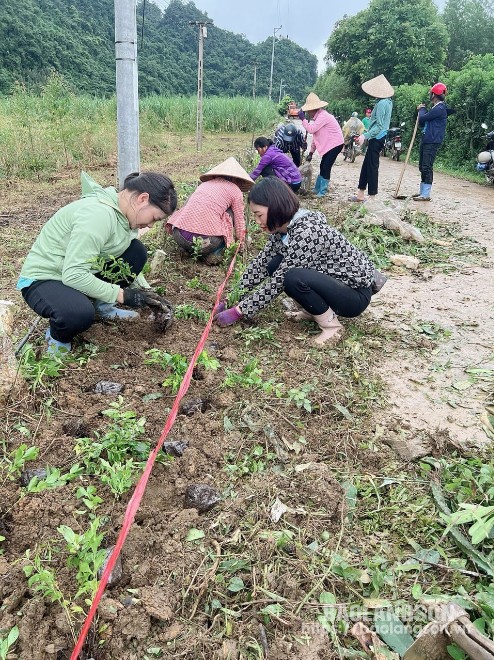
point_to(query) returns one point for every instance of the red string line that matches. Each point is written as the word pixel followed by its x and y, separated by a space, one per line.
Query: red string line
pixel 140 487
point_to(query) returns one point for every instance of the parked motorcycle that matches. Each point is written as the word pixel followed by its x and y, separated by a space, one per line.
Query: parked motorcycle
pixel 485 159
pixel 351 149
pixel 393 145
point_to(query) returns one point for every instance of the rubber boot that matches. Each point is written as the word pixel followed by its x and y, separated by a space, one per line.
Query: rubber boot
pixel 323 187
pixel 420 192
pixel 214 258
pixel 56 347
pixel 317 184
pixel 331 328
pixel 110 311
pixel 300 314
pixel 425 195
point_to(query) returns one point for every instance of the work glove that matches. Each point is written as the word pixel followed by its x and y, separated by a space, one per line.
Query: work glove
pixel 360 140
pixel 301 115
pixel 308 158
pixel 228 317
pixel 142 297
pixel 220 307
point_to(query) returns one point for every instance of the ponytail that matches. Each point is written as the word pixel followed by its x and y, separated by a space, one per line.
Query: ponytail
pixel 159 187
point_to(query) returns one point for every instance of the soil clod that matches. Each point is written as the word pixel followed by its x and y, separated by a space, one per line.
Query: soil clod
pixel 193 406
pixel 108 387
pixel 175 447
pixel 30 473
pixel 116 574
pixel 201 497
pixel 76 428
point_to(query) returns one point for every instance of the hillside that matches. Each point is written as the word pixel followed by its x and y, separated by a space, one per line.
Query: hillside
pixel 78 41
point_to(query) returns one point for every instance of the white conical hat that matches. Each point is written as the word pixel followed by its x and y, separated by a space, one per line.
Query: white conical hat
pixel 378 87
pixel 313 102
pixel 230 168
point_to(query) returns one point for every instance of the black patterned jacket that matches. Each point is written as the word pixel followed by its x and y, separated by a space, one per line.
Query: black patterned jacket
pixel 312 243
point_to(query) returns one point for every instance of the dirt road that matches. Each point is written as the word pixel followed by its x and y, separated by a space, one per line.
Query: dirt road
pixel 432 391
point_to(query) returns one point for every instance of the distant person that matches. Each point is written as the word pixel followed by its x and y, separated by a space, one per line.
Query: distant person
pixel 288 138
pixel 63 277
pixel 327 138
pixel 366 118
pixel 274 163
pixel 375 135
pixel 353 126
pixel 213 214
pixel 433 124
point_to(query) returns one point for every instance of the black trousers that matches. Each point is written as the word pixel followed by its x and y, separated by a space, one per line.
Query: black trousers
pixel 427 156
pixel 269 171
pixel 328 160
pixel 316 292
pixel 369 173
pixel 296 155
pixel 70 311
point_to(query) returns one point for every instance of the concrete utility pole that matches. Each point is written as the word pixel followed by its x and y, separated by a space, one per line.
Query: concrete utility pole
pixel 203 33
pixel 127 88
pixel 275 30
pixel 282 89
pixel 255 80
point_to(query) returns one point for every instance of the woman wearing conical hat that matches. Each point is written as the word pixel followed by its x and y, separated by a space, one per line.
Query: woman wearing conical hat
pixel 375 135
pixel 327 138
pixel 213 216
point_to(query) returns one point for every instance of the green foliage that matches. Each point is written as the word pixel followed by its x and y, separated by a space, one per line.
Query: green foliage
pixel 405 41
pixel 13 463
pixel 252 462
pixel 195 283
pixel 190 311
pixel 37 371
pixel 85 555
pixel 77 41
pixel 54 479
pixel 283 105
pixel 470 25
pixel 178 365
pixel 7 643
pixel 113 269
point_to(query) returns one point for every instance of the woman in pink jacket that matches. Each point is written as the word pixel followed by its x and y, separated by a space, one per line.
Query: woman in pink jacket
pixel 327 138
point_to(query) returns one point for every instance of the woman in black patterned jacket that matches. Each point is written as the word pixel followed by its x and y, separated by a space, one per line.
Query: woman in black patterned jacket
pixel 307 259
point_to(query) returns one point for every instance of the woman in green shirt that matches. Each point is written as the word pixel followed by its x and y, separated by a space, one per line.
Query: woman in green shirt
pixel 61 278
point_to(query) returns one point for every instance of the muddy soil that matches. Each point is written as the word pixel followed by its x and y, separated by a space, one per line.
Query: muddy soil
pixel 173 594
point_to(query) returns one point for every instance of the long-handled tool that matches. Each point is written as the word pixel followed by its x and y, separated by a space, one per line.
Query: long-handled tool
pixel 396 196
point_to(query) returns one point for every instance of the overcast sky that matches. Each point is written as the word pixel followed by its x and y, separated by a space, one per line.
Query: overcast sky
pixel 309 24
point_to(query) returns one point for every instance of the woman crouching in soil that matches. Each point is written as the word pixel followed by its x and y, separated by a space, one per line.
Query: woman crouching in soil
pixel 64 277
pixel 307 259
pixel 213 212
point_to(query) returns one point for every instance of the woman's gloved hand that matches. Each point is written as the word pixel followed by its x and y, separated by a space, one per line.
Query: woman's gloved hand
pixel 228 317
pixel 301 115
pixel 360 140
pixel 220 307
pixel 142 297
pixel 308 158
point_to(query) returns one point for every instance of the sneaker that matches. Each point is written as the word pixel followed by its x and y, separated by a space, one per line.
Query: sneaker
pixel 56 347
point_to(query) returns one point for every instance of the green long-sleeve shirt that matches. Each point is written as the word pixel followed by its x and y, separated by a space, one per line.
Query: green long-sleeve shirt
pixel 76 235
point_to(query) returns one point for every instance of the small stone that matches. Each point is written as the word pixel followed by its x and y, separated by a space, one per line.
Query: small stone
pixel 116 574
pixel 201 497
pixel 76 428
pixel 107 387
pixel 28 474
pixel 175 447
pixel 412 263
pixel 193 406
pixel 157 263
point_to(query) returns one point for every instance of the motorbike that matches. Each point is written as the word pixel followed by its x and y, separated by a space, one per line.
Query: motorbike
pixel 393 145
pixel 485 159
pixel 351 148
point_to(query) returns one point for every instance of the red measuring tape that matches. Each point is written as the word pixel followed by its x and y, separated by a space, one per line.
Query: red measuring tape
pixel 138 493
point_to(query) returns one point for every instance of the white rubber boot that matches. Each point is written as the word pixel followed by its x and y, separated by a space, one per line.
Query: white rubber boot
pixel 332 330
pixel 300 314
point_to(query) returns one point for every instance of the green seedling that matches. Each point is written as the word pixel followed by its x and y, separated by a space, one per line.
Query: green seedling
pixel 190 311
pixel 112 269
pixel 119 476
pixel 178 365
pixel 236 291
pixel 256 335
pixel 253 462
pixel 89 497
pixel 85 555
pixel 7 643
pixel 37 371
pixel 54 479
pixel 195 283
pixel 299 397
pixel 14 463
pixel 197 246
pixel 251 376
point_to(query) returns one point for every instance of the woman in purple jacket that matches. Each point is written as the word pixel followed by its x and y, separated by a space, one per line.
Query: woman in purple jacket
pixel 274 163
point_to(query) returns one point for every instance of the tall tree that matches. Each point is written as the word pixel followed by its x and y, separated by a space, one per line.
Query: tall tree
pixel 470 24
pixel 406 41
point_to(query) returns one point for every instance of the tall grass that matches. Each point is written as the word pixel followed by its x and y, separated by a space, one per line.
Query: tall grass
pixel 56 129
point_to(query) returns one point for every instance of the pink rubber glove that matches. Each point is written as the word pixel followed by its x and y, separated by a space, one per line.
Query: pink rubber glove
pixel 220 307
pixel 360 140
pixel 228 317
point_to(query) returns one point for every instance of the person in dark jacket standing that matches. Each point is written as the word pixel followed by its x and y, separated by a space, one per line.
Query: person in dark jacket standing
pixel 288 138
pixel 433 123
pixel 274 163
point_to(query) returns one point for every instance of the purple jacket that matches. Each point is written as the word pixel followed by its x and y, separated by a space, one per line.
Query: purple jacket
pixel 283 167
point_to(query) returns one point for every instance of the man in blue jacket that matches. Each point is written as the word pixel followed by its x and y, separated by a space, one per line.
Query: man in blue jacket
pixel 433 123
